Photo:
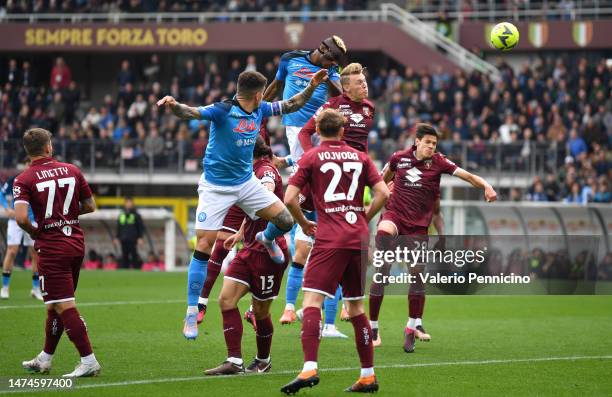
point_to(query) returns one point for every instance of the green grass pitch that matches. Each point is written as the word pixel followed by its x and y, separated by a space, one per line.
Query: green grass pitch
pixel 481 345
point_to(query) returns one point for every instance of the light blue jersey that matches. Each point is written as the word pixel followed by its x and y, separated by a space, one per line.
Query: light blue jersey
pixel 296 70
pixel 7 190
pixel 228 160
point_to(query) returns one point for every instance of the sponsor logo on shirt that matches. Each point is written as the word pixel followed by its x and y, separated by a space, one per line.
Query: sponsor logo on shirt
pixel 304 73
pixel 413 175
pixel 245 126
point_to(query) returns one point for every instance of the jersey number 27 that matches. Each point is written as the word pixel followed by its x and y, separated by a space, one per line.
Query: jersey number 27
pixel 349 166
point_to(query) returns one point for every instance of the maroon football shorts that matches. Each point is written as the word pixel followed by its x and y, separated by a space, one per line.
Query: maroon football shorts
pixel 256 270
pixel 59 277
pixel 328 267
pixel 233 219
pixel 403 227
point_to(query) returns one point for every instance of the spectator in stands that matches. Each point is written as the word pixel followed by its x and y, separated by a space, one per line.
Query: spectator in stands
pixel 61 76
pixel 576 144
pixel 575 195
pixel 12 74
pixel 603 194
pixel 125 74
pixel 538 193
pixel 130 232
pixel 152 71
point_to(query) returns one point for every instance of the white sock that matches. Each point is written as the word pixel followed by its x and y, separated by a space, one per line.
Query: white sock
pixel 43 356
pixel 251 308
pixel 373 324
pixel 290 306
pixel 367 372
pixel 192 309
pixel 263 360
pixel 309 366
pixel 418 322
pixel 411 322
pixel 235 360
pixel 203 301
pixel 89 359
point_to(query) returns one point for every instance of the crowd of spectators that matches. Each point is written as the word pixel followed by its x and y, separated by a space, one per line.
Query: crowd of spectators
pixel 105 6
pixel 551 10
pixel 553 115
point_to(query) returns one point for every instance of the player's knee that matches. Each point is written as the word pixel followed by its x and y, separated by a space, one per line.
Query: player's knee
pixel 283 220
pixel 261 310
pixel 204 245
pixel 354 308
pixel 226 302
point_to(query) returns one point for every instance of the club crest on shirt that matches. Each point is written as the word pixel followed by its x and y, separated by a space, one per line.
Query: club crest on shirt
pixel 428 164
pixel 366 111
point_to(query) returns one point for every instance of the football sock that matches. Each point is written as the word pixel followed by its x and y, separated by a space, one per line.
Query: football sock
pixel 53 331
pixel 373 324
pixel 311 333
pixel 365 372
pixel 6 279
pixel 76 330
pixel 196 276
pixel 411 323
pixel 272 232
pixel 214 267
pixel 375 304
pixel 232 331
pixel 414 304
pixel 331 307
pixel 294 282
pixel 421 306
pixel 363 340
pixel 418 322
pixel 265 329
pixel 35 280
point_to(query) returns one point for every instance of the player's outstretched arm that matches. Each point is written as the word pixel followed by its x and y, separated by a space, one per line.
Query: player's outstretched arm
pixel 477 182
pixel 23 220
pixel 381 195
pixel 387 173
pixel 293 205
pixel 87 205
pixel 180 110
pixel 271 90
pixel 296 102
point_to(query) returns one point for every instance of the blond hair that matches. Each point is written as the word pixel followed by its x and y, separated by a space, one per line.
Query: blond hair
pixel 350 69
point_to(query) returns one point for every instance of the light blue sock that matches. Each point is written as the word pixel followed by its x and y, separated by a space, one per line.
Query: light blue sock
pixel 272 231
pixel 35 280
pixel 6 279
pixel 294 283
pixel 292 240
pixel 331 307
pixel 195 280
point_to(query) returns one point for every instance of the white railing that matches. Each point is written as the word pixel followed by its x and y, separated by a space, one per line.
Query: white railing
pixel 428 35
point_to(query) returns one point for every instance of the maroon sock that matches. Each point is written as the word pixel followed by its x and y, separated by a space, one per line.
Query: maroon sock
pixel 414 304
pixel 77 330
pixel 311 333
pixel 232 331
pixel 421 305
pixel 375 304
pixel 214 267
pixel 363 340
pixel 265 329
pixel 53 331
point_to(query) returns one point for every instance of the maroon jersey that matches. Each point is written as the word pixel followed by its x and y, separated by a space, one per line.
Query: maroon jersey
pixel 416 185
pixel 265 171
pixel 305 199
pixel 54 190
pixel 359 120
pixel 337 175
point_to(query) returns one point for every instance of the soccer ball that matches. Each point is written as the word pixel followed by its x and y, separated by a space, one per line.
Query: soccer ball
pixel 504 36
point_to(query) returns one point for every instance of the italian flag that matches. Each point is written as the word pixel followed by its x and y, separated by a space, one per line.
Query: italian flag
pixel 538 34
pixel 582 33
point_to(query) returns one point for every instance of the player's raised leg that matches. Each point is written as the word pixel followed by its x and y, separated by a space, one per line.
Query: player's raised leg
pixel 280 222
